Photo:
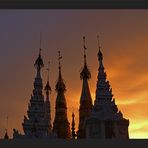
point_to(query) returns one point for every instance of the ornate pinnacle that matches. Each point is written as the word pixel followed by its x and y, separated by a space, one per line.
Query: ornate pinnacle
pixel 60 86
pixel 59 59
pixel 100 55
pixel 47 87
pixel 39 62
pixel 84 46
pixel 85 73
pixel 73 126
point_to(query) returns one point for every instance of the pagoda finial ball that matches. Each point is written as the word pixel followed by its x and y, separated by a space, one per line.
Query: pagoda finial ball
pixel 100 56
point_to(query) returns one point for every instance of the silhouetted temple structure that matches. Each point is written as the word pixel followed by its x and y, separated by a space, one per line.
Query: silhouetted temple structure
pixel 85 99
pixel 47 104
pixel 61 125
pixel 101 120
pixel 37 123
pixel 73 127
pixel 105 121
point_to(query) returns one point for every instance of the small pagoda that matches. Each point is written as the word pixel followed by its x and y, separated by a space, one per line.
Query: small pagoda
pixel 105 121
pixel 37 123
pixel 61 125
pixel 85 98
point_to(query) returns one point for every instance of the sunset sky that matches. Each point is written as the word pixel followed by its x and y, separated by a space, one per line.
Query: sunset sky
pixel 124 39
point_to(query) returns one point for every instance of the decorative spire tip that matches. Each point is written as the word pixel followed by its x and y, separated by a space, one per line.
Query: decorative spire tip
pixel 100 55
pixel 47 87
pixel 84 46
pixel 59 59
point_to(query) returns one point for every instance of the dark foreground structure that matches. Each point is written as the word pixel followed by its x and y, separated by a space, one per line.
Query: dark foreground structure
pixel 99 120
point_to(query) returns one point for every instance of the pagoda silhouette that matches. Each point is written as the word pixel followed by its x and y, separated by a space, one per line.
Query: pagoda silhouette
pixel 99 120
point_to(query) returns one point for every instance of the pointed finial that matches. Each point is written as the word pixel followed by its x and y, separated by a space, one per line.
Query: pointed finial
pixel 73 126
pixel 47 87
pixel 84 46
pixel 59 59
pixel 100 55
pixel 39 62
pixel 60 85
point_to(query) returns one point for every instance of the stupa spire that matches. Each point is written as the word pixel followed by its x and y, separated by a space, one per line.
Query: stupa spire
pixel 38 80
pixel 104 94
pixel 85 73
pixel 36 124
pixel 85 98
pixel 61 126
pixel 105 121
pixel 100 55
pixel 47 87
pixel 60 86
pixel 103 89
pixel 59 59
pixel 73 126
pixel 84 46
pixel 39 64
pixel 47 102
